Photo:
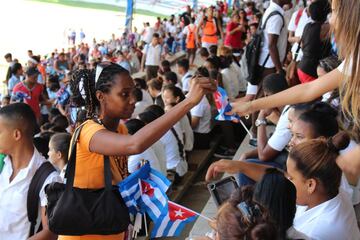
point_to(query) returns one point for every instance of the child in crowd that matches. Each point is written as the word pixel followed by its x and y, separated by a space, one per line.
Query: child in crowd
pixel 155 86
pixel 59 145
pixel 140 104
pixel 170 78
pixel 141 84
pixel 183 70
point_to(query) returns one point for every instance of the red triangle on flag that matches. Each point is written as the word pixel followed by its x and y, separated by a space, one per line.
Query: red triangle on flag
pixel 177 212
pixel 147 189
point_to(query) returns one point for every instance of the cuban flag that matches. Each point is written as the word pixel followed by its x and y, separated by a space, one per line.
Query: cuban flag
pixel 130 187
pixel 173 220
pixel 223 106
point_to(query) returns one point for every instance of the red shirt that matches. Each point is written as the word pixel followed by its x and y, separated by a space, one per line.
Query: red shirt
pixel 33 96
pixel 233 40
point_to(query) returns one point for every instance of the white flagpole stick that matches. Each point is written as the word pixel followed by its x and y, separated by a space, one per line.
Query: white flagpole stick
pixel 246 129
pixel 145 223
pixel 199 214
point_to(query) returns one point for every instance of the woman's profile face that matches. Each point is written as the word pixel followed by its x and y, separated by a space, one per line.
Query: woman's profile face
pixel 301 132
pixel 300 183
pixel 119 102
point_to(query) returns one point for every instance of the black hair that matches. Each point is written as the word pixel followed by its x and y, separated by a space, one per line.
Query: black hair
pixel 16 67
pixel 140 83
pixel 202 72
pixel 53 112
pixel 278 195
pixel 61 143
pixel 54 86
pixel 21 116
pixel 155 83
pixel 319 10
pixel 171 76
pixel 53 78
pixel 138 94
pixel 84 88
pixel 184 63
pixel 323 119
pixel 204 52
pixel 166 65
pixel 156 35
pixel 175 91
pixel 213 50
pixel 214 61
pixel 225 61
pixel 134 125
pixel 42 145
pixel 8 55
pixel 8 97
pixel 61 122
pixel 156 109
pixel 274 83
pixel 329 63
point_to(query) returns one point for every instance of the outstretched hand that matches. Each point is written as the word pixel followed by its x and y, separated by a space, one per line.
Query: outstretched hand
pixel 199 86
pixel 240 108
pixel 221 166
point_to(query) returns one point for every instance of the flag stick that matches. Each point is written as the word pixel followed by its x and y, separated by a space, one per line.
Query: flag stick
pixel 145 223
pixel 246 129
pixel 199 214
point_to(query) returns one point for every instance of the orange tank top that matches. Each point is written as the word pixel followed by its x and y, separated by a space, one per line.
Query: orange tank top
pixel 190 41
pixel 210 32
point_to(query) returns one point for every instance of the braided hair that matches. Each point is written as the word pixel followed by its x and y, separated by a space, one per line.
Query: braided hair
pixel 84 86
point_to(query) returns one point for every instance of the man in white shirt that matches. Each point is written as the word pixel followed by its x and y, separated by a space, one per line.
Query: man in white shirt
pixel 183 70
pixel 152 56
pixel 17 126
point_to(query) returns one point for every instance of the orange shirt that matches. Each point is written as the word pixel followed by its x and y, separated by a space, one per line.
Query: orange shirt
pixel 89 170
pixel 210 32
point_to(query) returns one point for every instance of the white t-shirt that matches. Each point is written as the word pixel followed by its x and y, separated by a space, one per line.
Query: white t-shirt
pixel 299 29
pixel 149 31
pixel 153 54
pixel 134 161
pixel 185 81
pixel 203 111
pixel 159 150
pixel 147 97
pixel 230 82
pixel 332 220
pixel 14 223
pixel 282 135
pixel 187 132
pixel 341 68
pixel 274 26
pixel 139 108
pixel 239 76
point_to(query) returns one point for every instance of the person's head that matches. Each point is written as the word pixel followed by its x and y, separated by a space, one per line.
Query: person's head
pixel 243 218
pixel 62 56
pixel 17 126
pixel 154 86
pixel 210 12
pixel 170 78
pixel 235 17
pixel 345 20
pixel 253 27
pixel 32 75
pixel 319 10
pixel 183 66
pixel 59 145
pixel 107 91
pixel 312 168
pixel 17 69
pixel 30 53
pixel 134 125
pixel 155 39
pixel 151 113
pixel 327 65
pixel 204 53
pixel 5 100
pixel 274 83
pixel 53 112
pixel 213 50
pixel 278 195
pixel 8 57
pixel 296 110
pixel 60 122
pixel 140 83
pixel 165 66
pixel 319 121
pixel 172 95
pixel 281 2
pixel 138 94
pixel 212 63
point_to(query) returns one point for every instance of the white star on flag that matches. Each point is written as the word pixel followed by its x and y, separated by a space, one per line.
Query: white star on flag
pixel 179 213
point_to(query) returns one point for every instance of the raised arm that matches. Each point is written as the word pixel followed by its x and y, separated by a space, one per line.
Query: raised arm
pixel 112 144
pixel 297 94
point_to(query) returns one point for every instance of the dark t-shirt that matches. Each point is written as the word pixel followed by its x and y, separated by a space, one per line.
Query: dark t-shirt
pixel 313 47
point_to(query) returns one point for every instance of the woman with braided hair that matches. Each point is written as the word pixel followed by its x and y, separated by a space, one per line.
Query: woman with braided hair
pixel 107 96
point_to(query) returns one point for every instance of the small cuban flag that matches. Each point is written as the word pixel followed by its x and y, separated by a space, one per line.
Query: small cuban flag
pixel 223 106
pixel 173 220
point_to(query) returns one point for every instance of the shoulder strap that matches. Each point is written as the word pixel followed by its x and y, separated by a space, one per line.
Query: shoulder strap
pixel 273 14
pixel 36 184
pixel 180 144
pixel 298 16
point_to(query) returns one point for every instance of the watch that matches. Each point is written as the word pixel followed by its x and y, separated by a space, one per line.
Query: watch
pixel 260 122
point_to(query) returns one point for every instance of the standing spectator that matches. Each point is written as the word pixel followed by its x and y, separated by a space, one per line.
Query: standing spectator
pixel 61 65
pixel 152 56
pixel 234 33
pixel 210 29
pixel 147 33
pixel 190 32
pixel 16 77
pixel 82 35
pixel 9 60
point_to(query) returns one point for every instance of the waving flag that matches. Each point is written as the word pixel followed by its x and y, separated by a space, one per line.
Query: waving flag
pixel 173 220
pixel 223 106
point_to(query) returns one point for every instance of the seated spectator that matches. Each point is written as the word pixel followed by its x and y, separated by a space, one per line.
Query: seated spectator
pixel 135 161
pixel 171 78
pixel 155 86
pixel 59 145
pixel 17 125
pixel 323 211
pixel 141 84
pixel 230 77
pixel 164 67
pixel 172 95
pixel 183 70
pixel 140 104
pixel 204 53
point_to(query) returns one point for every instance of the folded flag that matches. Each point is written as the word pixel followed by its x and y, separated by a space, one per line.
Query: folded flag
pixel 173 220
pixel 223 106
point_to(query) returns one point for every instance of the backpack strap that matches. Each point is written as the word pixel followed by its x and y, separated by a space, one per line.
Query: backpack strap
pixel 33 198
pixel 180 144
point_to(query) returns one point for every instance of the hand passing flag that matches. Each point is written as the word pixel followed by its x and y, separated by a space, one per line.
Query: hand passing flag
pixel 223 106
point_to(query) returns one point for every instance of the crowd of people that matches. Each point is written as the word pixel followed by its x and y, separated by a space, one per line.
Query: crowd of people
pixel 290 64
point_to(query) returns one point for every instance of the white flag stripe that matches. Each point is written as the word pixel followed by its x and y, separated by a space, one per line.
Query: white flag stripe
pixel 133 200
pixel 151 205
pixel 129 192
pixel 159 182
pixel 162 227
pixel 160 196
pixel 174 227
